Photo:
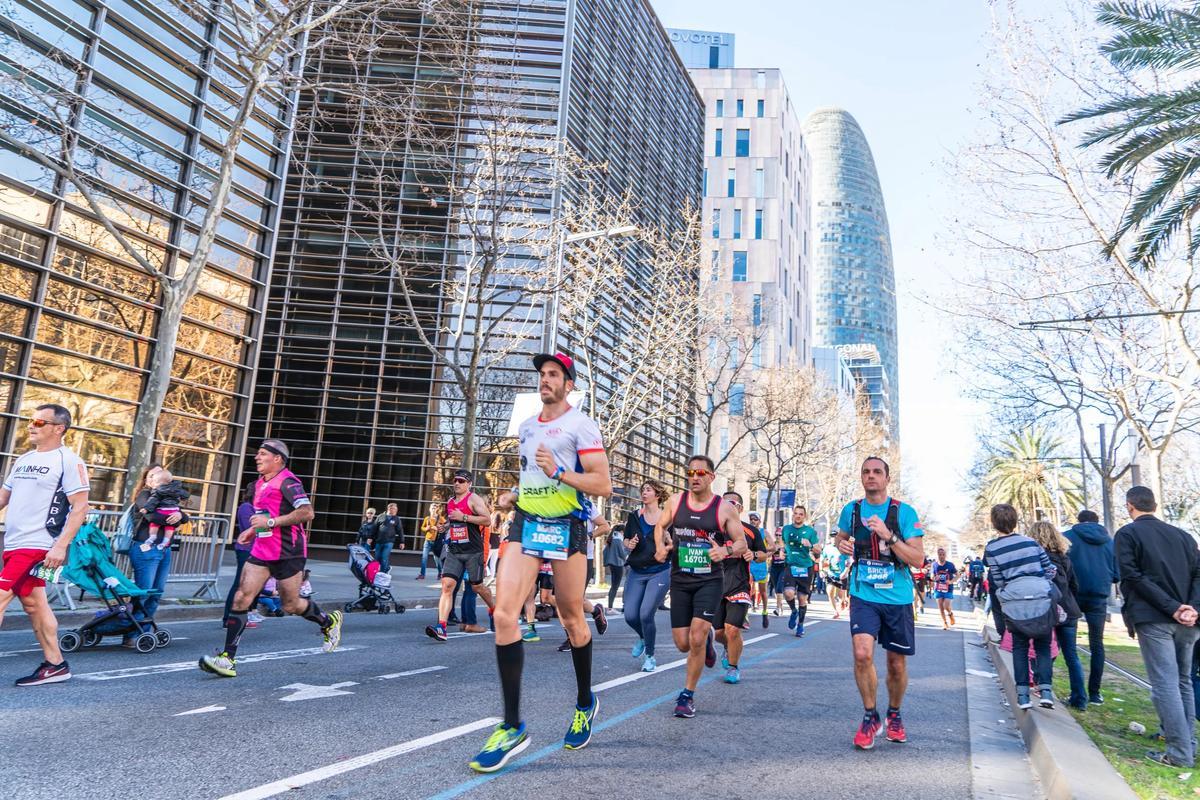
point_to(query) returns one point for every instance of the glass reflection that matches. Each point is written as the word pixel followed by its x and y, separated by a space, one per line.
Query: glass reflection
pixel 77 372
pixel 89 341
pixel 16 282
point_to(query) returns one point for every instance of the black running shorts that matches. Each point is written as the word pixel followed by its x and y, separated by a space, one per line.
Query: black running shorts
pixel 731 613
pixel 280 569
pixel 699 600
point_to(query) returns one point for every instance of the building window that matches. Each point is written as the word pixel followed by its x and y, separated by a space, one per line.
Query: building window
pixel 714 57
pixel 762 108
pixel 730 179
pixel 758 223
pixel 720 136
pixel 760 183
pixel 739 266
pixel 737 400
pixel 757 354
pixel 737 223
pixel 741 108
pixel 760 80
pixel 742 148
pixel 704 186
pixel 716 223
pixel 757 310
pixel 716 255
pixel 720 108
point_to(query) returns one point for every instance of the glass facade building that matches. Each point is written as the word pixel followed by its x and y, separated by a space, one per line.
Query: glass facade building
pixel 703 49
pixel 855 281
pixel 146 91
pixel 344 378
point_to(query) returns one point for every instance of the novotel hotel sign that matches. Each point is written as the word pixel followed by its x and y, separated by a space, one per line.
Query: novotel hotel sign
pixel 701 37
pixel 703 48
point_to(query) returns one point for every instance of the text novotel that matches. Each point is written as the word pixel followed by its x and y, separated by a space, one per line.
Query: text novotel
pixel 697 37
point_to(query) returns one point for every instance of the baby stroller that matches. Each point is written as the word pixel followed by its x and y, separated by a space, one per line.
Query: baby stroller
pixel 90 567
pixel 374 585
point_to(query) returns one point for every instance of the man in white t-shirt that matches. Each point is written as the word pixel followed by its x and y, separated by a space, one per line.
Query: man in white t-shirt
pixel 46 494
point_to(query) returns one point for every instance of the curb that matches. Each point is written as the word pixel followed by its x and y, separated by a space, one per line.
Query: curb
pixel 1068 763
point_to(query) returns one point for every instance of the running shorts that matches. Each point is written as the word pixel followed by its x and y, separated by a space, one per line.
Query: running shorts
pixel 699 600
pixel 456 565
pixel 731 612
pixel 578 537
pixel 890 624
pixel 280 569
pixel 15 577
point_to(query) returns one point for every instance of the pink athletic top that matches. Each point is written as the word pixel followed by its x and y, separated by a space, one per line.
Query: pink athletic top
pixel 281 495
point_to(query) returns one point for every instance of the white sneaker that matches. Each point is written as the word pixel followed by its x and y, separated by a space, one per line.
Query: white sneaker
pixel 254 617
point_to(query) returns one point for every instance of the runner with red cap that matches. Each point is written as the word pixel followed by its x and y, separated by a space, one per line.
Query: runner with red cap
pixel 466 514
pixel 562 460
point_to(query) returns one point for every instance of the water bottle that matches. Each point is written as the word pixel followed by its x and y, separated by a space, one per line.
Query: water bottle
pixel 45 573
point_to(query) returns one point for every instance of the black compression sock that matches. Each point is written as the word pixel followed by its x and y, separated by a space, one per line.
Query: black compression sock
pixel 892 710
pixel 582 656
pixel 510 660
pixel 235 623
pixel 791 601
pixel 314 614
pixel 801 611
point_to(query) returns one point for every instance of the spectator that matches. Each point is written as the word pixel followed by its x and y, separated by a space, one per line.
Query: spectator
pixel 1095 568
pixel 366 531
pixel 389 533
pixel 615 556
pixel 241 551
pixel 46 494
pixel 1159 567
pixel 429 527
pixel 1010 556
pixel 151 566
pixel 1057 547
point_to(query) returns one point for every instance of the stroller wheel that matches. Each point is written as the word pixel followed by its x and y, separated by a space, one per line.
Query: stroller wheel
pixel 348 607
pixel 162 637
pixel 399 609
pixel 146 642
pixel 69 641
pixel 91 638
pixel 384 608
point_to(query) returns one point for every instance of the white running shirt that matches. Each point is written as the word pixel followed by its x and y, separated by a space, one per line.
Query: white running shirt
pixel 33 482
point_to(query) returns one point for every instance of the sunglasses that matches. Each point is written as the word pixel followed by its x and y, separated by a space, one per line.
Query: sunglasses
pixel 734 503
pixel 41 423
pixel 461 480
pixel 697 473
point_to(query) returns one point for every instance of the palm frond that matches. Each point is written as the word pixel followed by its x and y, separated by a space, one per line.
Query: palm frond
pixel 1155 233
pixel 1143 144
pixel 1151 36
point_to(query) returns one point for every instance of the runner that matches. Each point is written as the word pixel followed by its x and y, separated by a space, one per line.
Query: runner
pixel 799 541
pixel 975 579
pixel 649 579
pixel 701 530
pixel 46 493
pixel 562 459
pixel 735 602
pixel 778 569
pixel 944 574
pixel 467 515
pixel 885 538
pixel 760 572
pixel 920 586
pixel 282 509
pixel 836 567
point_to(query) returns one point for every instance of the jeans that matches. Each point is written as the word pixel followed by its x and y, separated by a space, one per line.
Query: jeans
pixel 1095 613
pixel 1167 649
pixel 150 570
pixel 615 574
pixel 242 556
pixel 644 593
pixel 467 614
pixel 1042 665
pixel 1066 644
pixel 1196 676
pixel 383 554
pixel 426 553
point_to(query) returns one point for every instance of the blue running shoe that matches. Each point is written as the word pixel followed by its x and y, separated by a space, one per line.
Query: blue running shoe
pixel 799 631
pixel 501 746
pixel 639 647
pixel 792 619
pixel 733 675
pixel 649 665
pixel 436 632
pixel 580 732
pixel 685 705
pixel 530 634
pixel 725 658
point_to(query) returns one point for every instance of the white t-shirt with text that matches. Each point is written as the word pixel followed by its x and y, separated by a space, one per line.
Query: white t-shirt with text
pixel 33 481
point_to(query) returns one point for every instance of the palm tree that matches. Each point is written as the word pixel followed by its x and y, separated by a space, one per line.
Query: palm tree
pixel 1028 472
pixel 1161 127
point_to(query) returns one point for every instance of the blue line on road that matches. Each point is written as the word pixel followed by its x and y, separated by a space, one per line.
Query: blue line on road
pixel 551 749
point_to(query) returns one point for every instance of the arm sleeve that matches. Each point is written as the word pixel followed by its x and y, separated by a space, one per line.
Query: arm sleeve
pixel 1134 580
pixel 1047 565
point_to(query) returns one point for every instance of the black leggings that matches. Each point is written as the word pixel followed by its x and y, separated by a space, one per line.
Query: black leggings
pixel 615 574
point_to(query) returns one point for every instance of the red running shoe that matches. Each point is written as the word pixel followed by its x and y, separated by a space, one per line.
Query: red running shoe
pixel 895 728
pixel 864 739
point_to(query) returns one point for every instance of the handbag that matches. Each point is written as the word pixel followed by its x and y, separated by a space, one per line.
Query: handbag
pixel 123 539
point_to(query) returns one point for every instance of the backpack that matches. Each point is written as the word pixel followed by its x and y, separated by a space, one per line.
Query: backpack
pixel 1029 605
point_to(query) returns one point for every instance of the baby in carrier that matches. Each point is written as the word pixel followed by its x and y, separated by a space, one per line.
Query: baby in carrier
pixel 166 495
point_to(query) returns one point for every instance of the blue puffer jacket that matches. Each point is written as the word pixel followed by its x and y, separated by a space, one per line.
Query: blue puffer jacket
pixel 1092 557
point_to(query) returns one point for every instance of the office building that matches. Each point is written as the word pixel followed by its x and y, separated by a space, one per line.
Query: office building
pixel 872 380
pixel 344 377
pixel 831 365
pixel 852 248
pixel 703 49
pixel 78 319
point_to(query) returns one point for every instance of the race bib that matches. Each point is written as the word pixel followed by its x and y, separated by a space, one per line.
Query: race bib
pixel 879 574
pixel 546 538
pixel 263 533
pixel 458 533
pixel 693 557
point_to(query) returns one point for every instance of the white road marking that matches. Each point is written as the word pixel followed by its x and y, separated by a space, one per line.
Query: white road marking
pixel 205 710
pixel 637 676
pixel 308 691
pixel 464 634
pixel 421 671
pixel 9 653
pixel 358 762
pixel 183 666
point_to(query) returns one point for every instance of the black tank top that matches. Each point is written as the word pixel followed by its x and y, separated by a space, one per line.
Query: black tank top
pixel 694 532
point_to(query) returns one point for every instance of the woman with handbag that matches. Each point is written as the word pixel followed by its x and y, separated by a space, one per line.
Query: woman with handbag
pixel 151 565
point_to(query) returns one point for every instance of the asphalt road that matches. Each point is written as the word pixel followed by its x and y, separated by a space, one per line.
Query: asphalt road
pixel 395 714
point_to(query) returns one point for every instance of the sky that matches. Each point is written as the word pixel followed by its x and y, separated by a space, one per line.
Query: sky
pixel 910 78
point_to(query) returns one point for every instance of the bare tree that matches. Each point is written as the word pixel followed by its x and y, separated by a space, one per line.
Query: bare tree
pixel 259 57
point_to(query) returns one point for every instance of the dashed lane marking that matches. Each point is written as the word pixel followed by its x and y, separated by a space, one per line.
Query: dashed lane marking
pixel 421 671
pixel 183 666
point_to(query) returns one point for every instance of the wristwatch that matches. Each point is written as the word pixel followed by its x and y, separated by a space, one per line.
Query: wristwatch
pixel 728 550
pixel 271 522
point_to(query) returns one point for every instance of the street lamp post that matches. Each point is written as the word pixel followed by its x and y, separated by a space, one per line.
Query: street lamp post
pixel 550 323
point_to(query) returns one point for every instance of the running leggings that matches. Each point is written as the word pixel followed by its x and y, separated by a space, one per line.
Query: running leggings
pixel 644 593
pixel 615 574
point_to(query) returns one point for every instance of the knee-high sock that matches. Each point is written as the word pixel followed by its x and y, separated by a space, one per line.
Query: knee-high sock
pixel 582 656
pixel 235 623
pixel 800 612
pixel 314 614
pixel 510 660
pixel 791 601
